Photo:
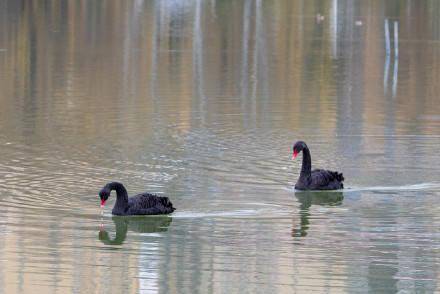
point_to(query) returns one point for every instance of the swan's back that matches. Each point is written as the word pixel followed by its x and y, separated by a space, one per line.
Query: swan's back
pixel 146 203
pixel 321 179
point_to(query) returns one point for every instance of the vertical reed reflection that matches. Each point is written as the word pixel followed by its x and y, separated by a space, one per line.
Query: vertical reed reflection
pixel 198 65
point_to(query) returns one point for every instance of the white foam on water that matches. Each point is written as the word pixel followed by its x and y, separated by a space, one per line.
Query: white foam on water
pixel 234 213
pixel 414 187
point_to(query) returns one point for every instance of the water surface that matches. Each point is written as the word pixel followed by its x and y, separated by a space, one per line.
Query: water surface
pixel 201 101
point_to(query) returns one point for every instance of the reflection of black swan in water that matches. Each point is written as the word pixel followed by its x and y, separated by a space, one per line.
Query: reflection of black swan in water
pixel 309 198
pixel 318 179
pixel 141 204
pixel 136 224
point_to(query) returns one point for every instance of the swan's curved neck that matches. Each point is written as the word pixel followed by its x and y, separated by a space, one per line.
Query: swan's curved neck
pixel 306 168
pixel 121 195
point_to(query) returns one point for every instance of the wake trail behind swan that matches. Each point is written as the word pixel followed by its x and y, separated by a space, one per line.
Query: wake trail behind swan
pixel 413 187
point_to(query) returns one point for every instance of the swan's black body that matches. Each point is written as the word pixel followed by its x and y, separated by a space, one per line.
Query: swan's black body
pixel 317 179
pixel 141 204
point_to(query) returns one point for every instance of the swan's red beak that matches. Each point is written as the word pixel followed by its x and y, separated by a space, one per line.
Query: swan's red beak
pixel 102 203
pixel 295 154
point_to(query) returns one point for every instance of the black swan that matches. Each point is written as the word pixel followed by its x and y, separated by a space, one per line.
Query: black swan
pixel 136 224
pixel 318 179
pixel 141 204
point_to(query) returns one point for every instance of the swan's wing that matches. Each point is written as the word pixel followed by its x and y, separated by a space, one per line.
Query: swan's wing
pixel 147 211
pixel 149 204
pixel 326 179
pixel 142 201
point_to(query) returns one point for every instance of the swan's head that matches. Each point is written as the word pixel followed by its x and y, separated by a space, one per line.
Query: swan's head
pixel 104 194
pixel 297 148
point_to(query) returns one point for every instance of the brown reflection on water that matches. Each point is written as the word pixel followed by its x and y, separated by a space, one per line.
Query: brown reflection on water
pixel 68 66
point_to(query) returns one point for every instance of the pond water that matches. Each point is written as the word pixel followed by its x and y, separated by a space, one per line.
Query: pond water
pixel 201 101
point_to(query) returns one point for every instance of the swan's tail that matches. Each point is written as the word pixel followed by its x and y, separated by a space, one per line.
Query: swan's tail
pixel 167 203
pixel 340 178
